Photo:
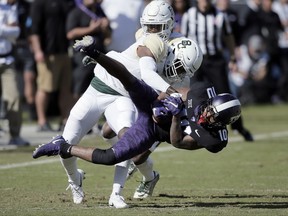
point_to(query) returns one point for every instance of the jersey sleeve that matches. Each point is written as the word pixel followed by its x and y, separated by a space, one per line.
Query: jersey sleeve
pixel 37 17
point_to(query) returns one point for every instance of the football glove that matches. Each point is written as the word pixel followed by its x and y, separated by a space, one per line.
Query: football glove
pixel 174 104
pixel 88 46
pixel 159 110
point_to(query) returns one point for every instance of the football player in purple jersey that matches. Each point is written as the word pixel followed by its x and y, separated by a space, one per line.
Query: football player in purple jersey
pixel 203 127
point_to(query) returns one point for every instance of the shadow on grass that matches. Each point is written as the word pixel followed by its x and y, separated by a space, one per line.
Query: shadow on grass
pixel 247 204
pixel 228 196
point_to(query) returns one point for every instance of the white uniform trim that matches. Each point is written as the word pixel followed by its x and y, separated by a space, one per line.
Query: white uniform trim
pixel 227 105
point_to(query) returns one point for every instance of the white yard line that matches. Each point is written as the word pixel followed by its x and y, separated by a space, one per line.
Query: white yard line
pixel 26 164
pixel 160 149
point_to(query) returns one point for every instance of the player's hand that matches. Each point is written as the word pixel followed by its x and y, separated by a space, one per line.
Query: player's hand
pixel 174 104
pixel 159 110
pixel 83 45
pixel 88 46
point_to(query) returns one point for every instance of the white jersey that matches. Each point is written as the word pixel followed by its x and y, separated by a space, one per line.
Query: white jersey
pixel 132 65
pixel 132 62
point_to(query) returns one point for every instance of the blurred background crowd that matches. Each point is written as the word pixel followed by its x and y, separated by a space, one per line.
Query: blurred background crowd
pixel 42 75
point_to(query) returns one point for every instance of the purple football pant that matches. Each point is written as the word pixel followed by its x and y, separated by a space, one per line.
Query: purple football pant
pixel 142 134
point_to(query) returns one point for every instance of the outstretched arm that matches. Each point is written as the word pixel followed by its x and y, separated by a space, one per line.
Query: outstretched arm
pixel 153 50
pixel 116 69
pixel 113 67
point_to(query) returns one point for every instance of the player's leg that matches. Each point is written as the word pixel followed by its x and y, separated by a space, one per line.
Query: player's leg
pixel 83 116
pixel 144 164
pixel 116 199
pixel 120 115
pixel 137 139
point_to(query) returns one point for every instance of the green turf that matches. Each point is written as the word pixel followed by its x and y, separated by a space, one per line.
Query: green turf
pixel 244 179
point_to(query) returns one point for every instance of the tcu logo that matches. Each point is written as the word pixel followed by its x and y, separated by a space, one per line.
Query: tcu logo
pixel 184 43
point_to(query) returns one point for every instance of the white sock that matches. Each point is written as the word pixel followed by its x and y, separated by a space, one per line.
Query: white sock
pixel 146 170
pixel 120 174
pixel 121 170
pixel 70 166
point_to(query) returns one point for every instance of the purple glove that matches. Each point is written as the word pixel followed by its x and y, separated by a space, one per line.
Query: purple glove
pixel 173 104
pixel 159 110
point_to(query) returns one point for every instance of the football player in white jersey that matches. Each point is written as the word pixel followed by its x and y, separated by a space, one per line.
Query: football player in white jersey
pixel 183 59
pixel 104 91
pixel 188 52
pixel 153 21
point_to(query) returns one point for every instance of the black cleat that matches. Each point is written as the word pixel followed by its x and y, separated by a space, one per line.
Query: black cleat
pixel 247 135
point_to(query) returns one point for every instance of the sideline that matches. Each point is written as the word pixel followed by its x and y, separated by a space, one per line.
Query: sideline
pixel 257 137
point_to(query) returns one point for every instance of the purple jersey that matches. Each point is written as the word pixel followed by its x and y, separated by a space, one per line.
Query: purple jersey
pixel 214 139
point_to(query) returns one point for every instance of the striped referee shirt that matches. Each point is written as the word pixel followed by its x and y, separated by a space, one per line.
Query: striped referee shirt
pixel 206 28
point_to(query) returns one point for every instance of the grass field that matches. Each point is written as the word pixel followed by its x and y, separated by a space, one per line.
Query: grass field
pixel 244 179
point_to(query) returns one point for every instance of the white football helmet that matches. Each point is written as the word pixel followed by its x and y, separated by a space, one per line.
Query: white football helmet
pixel 184 58
pixel 158 17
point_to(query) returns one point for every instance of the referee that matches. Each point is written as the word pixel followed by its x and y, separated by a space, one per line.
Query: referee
pixel 212 31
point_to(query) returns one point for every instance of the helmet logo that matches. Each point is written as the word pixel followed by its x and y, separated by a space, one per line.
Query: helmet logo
pixel 184 43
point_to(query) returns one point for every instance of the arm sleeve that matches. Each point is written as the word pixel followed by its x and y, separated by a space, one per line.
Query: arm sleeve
pixel 36 13
pixel 149 75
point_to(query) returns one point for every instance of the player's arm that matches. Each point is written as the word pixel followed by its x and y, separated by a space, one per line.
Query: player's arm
pixel 210 140
pixel 153 51
pixel 178 138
